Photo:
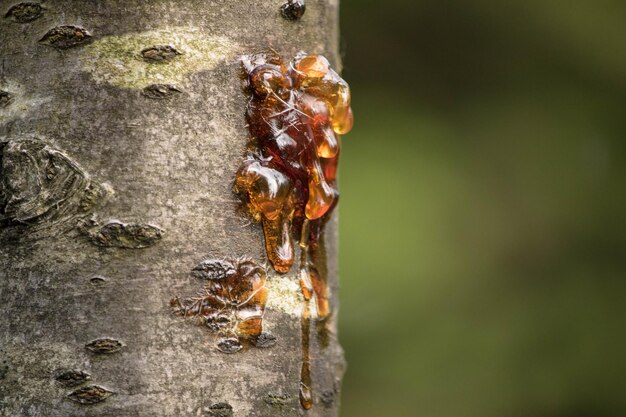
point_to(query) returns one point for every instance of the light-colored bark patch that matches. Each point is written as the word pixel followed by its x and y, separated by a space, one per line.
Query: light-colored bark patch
pixel 284 295
pixel 118 60
pixel 19 105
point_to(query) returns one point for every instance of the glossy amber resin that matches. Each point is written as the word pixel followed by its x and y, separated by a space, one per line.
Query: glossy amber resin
pixel 231 303
pixel 295 113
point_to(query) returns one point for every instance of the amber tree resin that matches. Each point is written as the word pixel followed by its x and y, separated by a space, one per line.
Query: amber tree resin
pixel 296 112
pixel 231 303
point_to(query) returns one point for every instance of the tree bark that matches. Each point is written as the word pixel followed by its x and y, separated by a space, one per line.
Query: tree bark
pixel 122 128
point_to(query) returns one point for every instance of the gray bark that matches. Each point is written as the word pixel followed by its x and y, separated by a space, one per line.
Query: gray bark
pixel 118 181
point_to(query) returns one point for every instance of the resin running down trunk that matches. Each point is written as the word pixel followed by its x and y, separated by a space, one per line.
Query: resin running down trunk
pixel 122 131
pixel 295 114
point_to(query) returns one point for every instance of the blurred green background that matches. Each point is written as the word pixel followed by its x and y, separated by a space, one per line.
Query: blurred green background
pixel 483 235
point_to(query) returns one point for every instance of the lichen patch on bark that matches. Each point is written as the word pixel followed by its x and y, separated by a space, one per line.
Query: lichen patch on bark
pixel 120 60
pixel 284 295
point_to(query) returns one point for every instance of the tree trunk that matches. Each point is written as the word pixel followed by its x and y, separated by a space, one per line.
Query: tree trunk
pixel 122 129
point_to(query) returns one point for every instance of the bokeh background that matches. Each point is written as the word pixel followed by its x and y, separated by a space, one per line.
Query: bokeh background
pixel 483 227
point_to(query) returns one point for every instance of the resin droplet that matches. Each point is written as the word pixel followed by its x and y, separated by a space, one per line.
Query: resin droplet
pixel 278 243
pixel 306 395
pixel 268 189
pixel 321 197
pixel 269 193
pixel 312 66
pixel 342 113
pixel 232 302
pixel 321 293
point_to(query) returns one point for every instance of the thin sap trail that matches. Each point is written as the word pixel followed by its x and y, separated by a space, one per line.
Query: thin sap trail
pixel 306 396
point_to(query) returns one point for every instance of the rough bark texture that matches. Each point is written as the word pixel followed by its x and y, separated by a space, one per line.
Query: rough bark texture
pixel 122 127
